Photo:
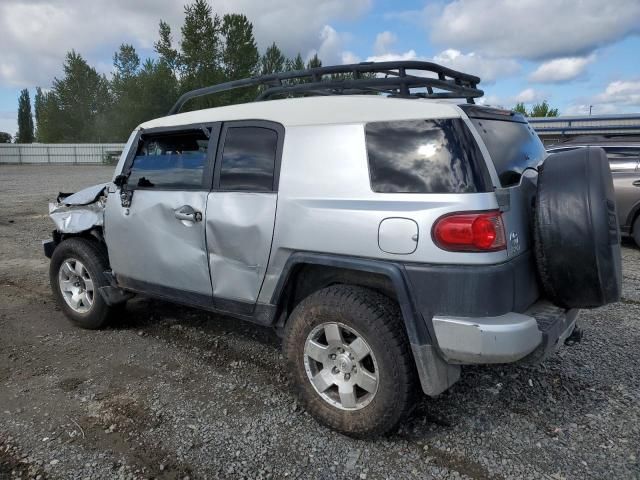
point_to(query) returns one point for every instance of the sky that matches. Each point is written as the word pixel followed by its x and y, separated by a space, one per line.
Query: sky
pixel 572 53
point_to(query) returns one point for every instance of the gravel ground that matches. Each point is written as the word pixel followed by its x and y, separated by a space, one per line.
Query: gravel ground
pixel 170 392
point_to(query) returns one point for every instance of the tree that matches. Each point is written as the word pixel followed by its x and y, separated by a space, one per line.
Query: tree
pixel 520 108
pixel 201 51
pixel 240 55
pixel 314 62
pixel 124 113
pixel 295 63
pixel 543 110
pixel 158 90
pixel 25 118
pixel 538 110
pixel 5 137
pixel 83 99
pixel 273 60
pixel 47 117
pixel 164 47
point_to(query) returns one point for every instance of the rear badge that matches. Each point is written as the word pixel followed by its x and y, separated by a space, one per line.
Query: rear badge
pixel 514 240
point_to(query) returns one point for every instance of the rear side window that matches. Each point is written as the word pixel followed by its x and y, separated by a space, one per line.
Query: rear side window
pixel 248 159
pixel 513 147
pixel 424 156
pixel 170 160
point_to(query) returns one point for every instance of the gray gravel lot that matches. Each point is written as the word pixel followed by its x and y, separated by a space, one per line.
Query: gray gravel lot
pixel 170 392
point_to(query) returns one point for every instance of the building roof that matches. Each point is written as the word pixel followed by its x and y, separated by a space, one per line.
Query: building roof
pixel 340 109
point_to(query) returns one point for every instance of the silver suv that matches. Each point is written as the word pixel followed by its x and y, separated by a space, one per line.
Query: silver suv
pixel 390 234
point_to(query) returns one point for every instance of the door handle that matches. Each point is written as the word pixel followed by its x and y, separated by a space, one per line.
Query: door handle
pixel 636 183
pixel 188 214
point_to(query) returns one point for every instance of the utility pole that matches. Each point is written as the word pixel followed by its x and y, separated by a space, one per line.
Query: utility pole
pixel 590 107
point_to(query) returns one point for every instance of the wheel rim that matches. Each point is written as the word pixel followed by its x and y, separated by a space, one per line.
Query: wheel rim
pixel 341 366
pixel 76 285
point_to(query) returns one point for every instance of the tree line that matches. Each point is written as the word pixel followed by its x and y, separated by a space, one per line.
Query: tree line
pixel 85 106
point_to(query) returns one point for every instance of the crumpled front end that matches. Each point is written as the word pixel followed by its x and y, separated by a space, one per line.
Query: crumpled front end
pixel 81 211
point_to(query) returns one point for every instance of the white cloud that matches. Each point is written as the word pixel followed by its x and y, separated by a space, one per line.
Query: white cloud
pixel 533 29
pixel 561 69
pixel 37 34
pixel 350 57
pixel 488 69
pixel 384 42
pixel 331 45
pixel 529 95
pixel 389 57
pixel 621 92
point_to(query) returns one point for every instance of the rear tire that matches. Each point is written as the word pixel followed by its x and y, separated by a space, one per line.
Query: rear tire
pixel 76 273
pixel 372 366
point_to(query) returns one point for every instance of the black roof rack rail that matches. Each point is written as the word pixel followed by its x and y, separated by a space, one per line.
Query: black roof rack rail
pixel 389 78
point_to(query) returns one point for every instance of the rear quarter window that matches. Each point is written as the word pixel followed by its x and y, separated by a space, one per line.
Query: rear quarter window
pixel 424 156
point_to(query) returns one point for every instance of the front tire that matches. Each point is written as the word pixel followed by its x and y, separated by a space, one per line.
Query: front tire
pixel 76 273
pixel 347 351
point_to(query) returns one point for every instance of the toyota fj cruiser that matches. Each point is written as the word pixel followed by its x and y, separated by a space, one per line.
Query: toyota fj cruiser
pixel 391 234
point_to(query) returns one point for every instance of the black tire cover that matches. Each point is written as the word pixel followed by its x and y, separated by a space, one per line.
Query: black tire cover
pixel 576 233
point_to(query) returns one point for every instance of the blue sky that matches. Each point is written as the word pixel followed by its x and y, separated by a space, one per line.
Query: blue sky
pixel 573 53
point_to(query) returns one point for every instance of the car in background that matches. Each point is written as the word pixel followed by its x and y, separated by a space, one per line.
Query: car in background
pixel 624 160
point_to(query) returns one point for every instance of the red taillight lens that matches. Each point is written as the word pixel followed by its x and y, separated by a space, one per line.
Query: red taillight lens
pixel 470 232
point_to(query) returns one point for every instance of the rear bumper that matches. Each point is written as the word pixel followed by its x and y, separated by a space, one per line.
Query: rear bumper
pixel 506 338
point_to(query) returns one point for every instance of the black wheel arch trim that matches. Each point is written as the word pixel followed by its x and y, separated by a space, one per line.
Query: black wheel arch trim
pixel 418 330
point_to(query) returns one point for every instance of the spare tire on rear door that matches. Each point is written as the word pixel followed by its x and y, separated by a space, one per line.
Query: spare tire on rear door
pixel 577 238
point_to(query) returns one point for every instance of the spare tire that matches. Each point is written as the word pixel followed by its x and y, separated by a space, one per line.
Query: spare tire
pixel 576 233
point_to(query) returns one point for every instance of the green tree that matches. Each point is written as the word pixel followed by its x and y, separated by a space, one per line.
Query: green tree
pixel 124 113
pixel 5 137
pixel 83 99
pixel 240 55
pixel 25 118
pixel 538 110
pixel 158 90
pixel 520 108
pixel 273 60
pixel 314 62
pixel 48 115
pixel 164 47
pixel 543 110
pixel 200 58
pixel 295 63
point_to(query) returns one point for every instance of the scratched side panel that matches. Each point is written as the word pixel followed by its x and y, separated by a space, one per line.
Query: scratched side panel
pixel 239 230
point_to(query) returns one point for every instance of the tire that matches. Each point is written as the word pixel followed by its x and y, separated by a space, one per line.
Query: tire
pixel 375 319
pixel 81 261
pixel 576 232
pixel 636 231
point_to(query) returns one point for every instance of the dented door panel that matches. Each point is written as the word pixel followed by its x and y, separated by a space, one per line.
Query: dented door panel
pixel 239 230
pixel 153 243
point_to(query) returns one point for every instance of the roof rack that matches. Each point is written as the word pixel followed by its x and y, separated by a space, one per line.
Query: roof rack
pixel 389 78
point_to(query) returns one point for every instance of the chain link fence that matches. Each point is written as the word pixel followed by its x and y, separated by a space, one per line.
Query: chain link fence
pixel 60 153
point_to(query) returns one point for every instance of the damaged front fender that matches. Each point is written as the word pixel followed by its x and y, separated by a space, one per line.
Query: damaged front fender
pixel 80 211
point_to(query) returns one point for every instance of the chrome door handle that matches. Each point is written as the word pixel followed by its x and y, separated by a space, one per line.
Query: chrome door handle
pixel 636 183
pixel 188 214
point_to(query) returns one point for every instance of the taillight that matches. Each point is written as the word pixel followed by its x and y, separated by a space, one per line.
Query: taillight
pixel 470 232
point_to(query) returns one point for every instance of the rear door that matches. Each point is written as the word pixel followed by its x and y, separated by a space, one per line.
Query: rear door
pixel 515 151
pixel 156 238
pixel 241 211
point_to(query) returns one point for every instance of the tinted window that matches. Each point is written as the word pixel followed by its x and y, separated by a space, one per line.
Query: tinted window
pixel 248 159
pixel 170 160
pixel 424 156
pixel 513 147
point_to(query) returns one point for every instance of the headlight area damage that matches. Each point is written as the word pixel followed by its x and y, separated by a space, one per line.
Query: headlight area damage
pixel 80 211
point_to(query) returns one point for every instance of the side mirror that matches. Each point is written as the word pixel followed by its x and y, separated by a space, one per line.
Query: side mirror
pixel 120 180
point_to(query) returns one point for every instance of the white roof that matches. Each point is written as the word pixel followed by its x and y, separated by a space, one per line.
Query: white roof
pixel 338 109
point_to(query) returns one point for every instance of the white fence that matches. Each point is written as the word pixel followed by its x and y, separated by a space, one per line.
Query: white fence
pixel 62 153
